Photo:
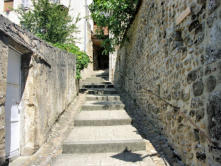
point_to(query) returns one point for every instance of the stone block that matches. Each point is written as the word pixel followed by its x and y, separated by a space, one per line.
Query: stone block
pixel 198 88
pixel 211 83
pixel 214 115
pixel 183 15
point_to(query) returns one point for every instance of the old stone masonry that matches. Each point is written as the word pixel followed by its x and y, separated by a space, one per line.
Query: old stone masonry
pixel 102 134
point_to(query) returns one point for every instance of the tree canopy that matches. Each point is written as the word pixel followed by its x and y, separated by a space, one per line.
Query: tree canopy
pixel 114 14
pixel 52 23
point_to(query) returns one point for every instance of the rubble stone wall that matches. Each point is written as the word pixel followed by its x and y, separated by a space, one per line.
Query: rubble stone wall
pixel 3 79
pixel 171 66
pixel 48 84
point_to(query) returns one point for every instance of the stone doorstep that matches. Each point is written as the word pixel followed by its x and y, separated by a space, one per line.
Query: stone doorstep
pixel 103 146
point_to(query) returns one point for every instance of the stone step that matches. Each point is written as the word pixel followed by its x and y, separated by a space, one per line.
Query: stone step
pixel 84 82
pixel 102 105
pixel 138 158
pixel 100 75
pixel 98 86
pixel 102 118
pixel 103 139
pixel 102 91
pixel 103 98
pixel 106 77
pixel 95 79
pixel 99 91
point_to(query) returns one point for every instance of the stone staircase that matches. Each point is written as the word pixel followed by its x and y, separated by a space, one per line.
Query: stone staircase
pixel 103 134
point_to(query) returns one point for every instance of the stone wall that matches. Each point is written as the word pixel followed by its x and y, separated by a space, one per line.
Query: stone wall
pixel 48 84
pixel 3 76
pixel 171 66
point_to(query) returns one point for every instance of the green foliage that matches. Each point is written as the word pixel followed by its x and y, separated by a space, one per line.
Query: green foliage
pixel 116 15
pixel 49 21
pixel 81 57
pixel 52 23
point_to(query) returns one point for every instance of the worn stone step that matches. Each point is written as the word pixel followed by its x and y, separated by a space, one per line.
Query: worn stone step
pixel 101 91
pixel 102 139
pixel 84 82
pixel 95 79
pixel 103 98
pixel 103 105
pixel 106 77
pixel 100 75
pixel 98 86
pixel 102 118
pixel 138 158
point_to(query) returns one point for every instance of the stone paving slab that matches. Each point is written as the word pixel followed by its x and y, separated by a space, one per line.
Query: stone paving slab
pixel 139 158
pixel 102 118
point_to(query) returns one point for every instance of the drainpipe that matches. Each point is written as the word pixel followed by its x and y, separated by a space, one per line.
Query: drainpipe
pixel 85 26
pixel 69 5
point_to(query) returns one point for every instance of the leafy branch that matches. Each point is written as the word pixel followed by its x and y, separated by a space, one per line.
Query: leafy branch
pixel 52 23
pixel 117 16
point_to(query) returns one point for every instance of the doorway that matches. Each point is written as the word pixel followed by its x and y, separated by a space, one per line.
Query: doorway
pixel 12 105
pixel 101 61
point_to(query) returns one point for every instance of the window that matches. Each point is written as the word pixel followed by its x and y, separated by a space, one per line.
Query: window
pixel 8 5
